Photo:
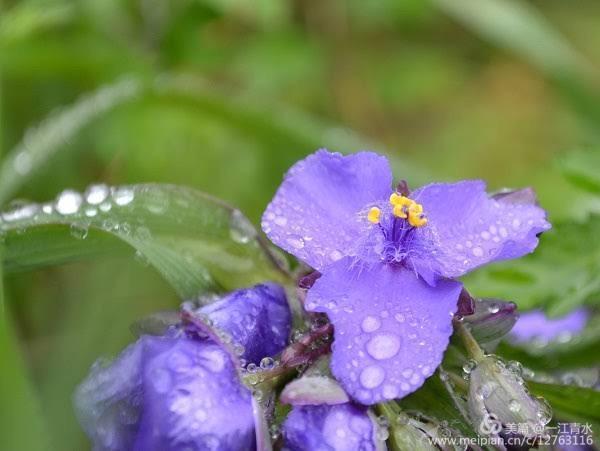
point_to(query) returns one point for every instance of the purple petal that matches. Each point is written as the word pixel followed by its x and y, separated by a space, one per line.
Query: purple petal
pixel 167 393
pixel 257 318
pixel 535 325
pixel 190 390
pixel 391 328
pixel 107 402
pixel 343 427
pixel 466 228
pixel 314 214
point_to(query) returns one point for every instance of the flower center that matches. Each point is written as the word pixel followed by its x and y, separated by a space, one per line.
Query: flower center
pixel 403 208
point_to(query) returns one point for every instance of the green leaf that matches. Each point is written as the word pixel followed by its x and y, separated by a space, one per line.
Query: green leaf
pixel 22 426
pixel 520 28
pixel 560 275
pixel 575 404
pixel 433 400
pixel 197 243
pixel 582 169
pixel 41 143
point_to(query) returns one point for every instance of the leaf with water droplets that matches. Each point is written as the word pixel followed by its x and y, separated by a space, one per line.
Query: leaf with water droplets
pixel 196 242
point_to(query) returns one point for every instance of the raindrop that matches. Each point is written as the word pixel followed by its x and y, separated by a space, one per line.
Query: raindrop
pixel 252 368
pixel 469 366
pixel 494 308
pixel 105 207
pixel 514 405
pixel 370 324
pixel 240 229
pixel 267 363
pixel 68 202
pixel 78 231
pixel 372 376
pixel 383 346
pixel 90 212
pixel 47 209
pixel 96 194
pixel 295 241
pixel 123 196
pixel 20 213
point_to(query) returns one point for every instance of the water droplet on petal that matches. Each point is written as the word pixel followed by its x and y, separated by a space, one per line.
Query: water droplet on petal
pixel 372 376
pixel 295 241
pixel 370 324
pixel 383 346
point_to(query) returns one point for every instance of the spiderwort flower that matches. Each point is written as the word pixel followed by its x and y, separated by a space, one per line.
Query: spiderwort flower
pixel 387 260
pixel 323 417
pixel 178 391
pixel 536 326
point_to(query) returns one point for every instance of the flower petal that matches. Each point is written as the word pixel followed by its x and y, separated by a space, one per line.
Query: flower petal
pixel 190 389
pixel 314 214
pixel 167 393
pixel 257 318
pixel 343 427
pixel 391 328
pixel 535 325
pixel 107 402
pixel 466 228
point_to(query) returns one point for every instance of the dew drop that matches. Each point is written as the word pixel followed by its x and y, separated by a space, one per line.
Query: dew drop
pixel 477 251
pixel 23 163
pixel 123 196
pixel 494 308
pixel 370 324
pixel 514 405
pixel 295 241
pixel 469 366
pixel 267 363
pixel 372 376
pixel 383 346
pixel 96 194
pixel 240 229
pixel 78 231
pixel 68 202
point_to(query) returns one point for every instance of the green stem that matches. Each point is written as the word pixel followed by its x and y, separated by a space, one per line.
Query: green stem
pixel 471 345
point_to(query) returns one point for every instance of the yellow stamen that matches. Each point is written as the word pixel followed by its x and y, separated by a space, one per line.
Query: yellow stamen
pixel 398 199
pixel 416 218
pixel 415 209
pixel 399 211
pixel 374 215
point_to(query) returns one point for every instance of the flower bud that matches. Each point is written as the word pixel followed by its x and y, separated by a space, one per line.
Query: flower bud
pixel 492 319
pixel 408 433
pixel 500 405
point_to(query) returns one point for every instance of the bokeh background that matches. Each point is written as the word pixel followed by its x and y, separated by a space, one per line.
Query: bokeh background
pixel 224 95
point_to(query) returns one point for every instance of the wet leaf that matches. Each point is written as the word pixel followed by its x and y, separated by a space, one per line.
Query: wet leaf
pixel 197 243
pixel 22 426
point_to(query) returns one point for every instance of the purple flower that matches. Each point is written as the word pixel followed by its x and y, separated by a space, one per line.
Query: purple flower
pixel 387 259
pixel 341 427
pixel 536 326
pixel 178 391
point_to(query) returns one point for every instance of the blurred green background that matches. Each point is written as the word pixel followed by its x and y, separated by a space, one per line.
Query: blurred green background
pixel 224 95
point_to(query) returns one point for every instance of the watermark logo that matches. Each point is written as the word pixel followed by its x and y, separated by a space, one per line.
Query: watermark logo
pixel 490 425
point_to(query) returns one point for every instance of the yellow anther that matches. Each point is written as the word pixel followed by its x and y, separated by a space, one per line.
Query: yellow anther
pixel 374 215
pixel 399 211
pixel 398 199
pixel 416 220
pixel 415 209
